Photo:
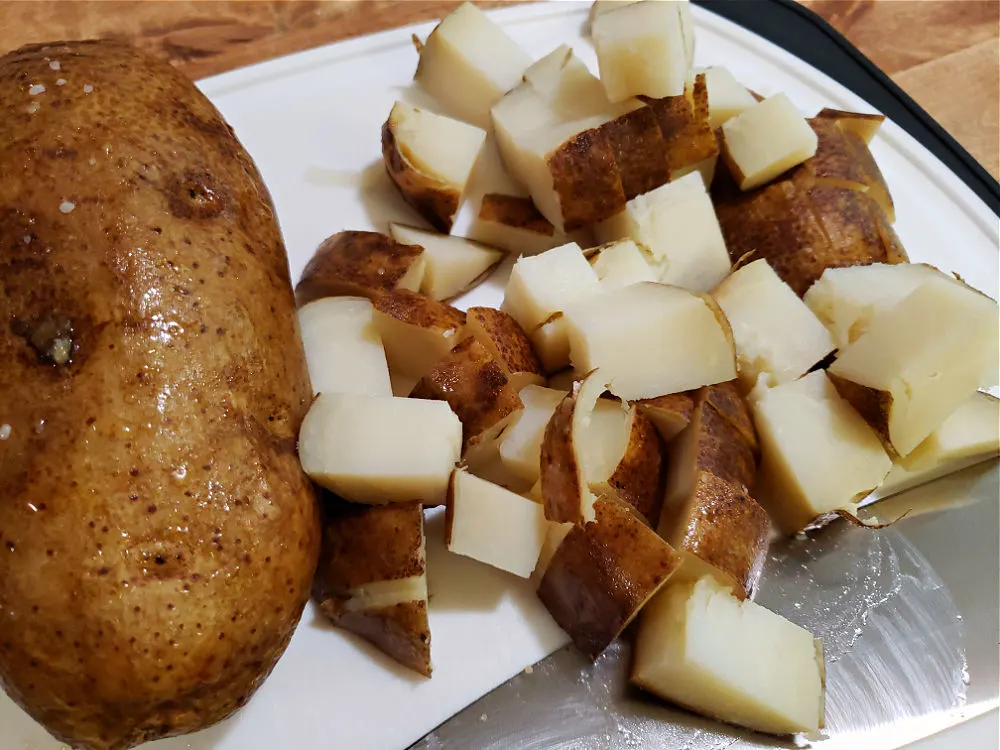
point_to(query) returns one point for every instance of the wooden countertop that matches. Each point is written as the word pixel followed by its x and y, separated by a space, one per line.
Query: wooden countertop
pixel 944 53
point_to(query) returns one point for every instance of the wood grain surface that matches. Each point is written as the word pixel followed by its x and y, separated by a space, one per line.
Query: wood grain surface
pixel 944 53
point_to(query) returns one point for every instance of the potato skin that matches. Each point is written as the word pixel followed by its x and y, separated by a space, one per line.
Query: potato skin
pixel 157 535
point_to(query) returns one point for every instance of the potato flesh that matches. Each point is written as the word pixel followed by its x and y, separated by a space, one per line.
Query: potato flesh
pixel 411 349
pixel 775 333
pixel 817 454
pixel 846 299
pixel 452 263
pixel 765 140
pixel 621 263
pixel 727 97
pixel 343 349
pixel 521 444
pixel 676 223
pixel 733 660
pixel 641 50
pixel 650 340
pixel 929 353
pixel 468 63
pixel 494 526
pixel 604 439
pixel 545 284
pixel 551 341
pixel 969 436
pixel 373 449
pixel 440 147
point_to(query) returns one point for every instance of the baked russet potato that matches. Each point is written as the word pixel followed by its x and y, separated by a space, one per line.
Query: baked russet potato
pixel 157 535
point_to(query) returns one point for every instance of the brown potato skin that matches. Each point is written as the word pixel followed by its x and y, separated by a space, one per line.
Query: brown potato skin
pixel 563 485
pixel 157 535
pixel 507 342
pixel 514 211
pixel 603 573
pixel 639 477
pixel 639 151
pixel 586 179
pixel 431 198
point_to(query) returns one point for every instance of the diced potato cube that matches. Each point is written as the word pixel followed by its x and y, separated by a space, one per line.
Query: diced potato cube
pixel 969 436
pixel 621 263
pixel 452 264
pixel 416 332
pixel 512 223
pixel 651 340
pixel 700 647
pixel 545 284
pixel 920 360
pixel 521 443
pixel 375 449
pixel 676 223
pixel 765 140
pixel 641 50
pixel 551 342
pixel 468 63
pixel 846 299
pixel 817 454
pixel 343 349
pixel 493 525
pixel 775 333
pixel 727 97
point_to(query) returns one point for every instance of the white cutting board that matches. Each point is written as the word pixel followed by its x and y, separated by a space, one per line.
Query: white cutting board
pixel 312 123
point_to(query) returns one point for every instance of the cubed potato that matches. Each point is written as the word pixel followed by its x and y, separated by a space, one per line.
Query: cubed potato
pixel 700 647
pixel 508 343
pixel 551 342
pixel 482 456
pixel 512 223
pixel 865 126
pixel 604 439
pixel 685 126
pixel 545 284
pixel 554 535
pixel 651 340
pixel 521 445
pixel 430 159
pixel 971 435
pixel 775 333
pixel 493 525
pixel 765 140
pixel 817 454
pixel 343 349
pixel 603 573
pixel 920 360
pixel 473 384
pixel 641 50
pixel 371 579
pixel 376 449
pixel 567 461
pixel 621 263
pixel 676 223
pixel 668 414
pixel 360 264
pixel 453 265
pixel 468 63
pixel 416 332
pixel 638 475
pixel 846 299
pixel 727 97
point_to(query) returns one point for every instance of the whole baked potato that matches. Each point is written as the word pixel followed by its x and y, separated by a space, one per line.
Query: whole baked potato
pixel 157 535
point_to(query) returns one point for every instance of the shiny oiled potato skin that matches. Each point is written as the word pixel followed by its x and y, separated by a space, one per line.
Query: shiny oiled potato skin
pixel 157 535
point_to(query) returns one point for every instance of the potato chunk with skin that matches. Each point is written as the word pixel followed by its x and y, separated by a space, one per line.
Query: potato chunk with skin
pixel 453 265
pixel 651 340
pixel 468 63
pixel 512 223
pixel 360 264
pixel 372 579
pixel 507 342
pixel 416 332
pixel 727 97
pixel 684 123
pixel 641 50
pixel 700 647
pixel 603 573
pixel 865 126
pixel 375 449
pixel 343 349
pixel 521 444
pixel 676 223
pixel 430 159
pixel 473 384
pixel 545 284
pixel 765 140
pixel 920 360
pixel 775 333
pixel 969 436
pixel 621 263
pixel 669 414
pixel 638 475
pixel 817 454
pixel 493 525
pixel 846 300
